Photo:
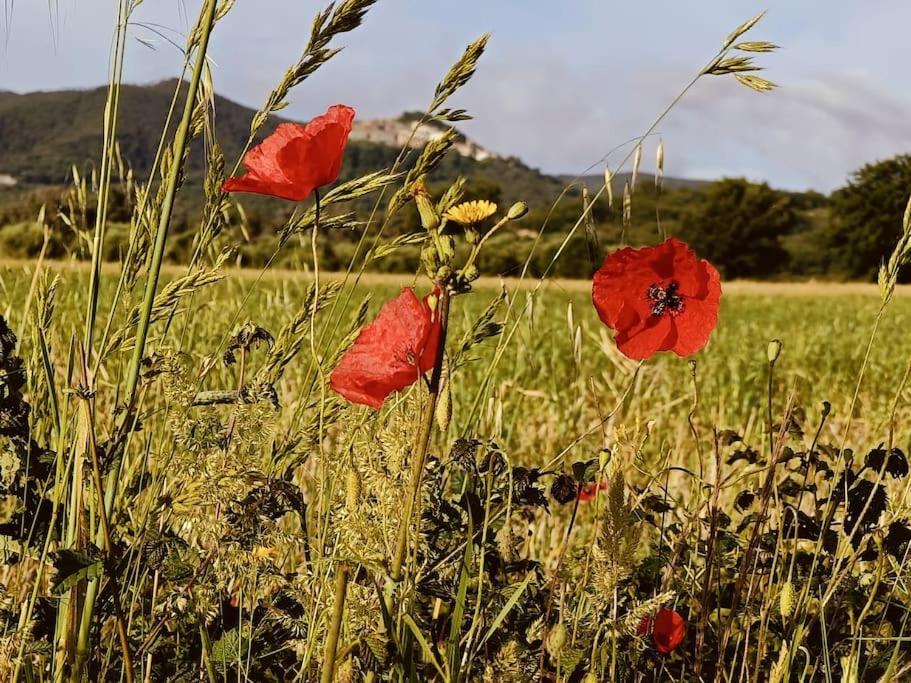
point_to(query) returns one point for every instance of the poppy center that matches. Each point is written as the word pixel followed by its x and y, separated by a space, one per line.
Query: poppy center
pixel 665 299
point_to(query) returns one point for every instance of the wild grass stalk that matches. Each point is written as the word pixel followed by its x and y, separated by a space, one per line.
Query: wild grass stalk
pixel 181 137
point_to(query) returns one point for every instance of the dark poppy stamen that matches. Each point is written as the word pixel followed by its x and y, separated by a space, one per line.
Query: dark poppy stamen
pixel 665 299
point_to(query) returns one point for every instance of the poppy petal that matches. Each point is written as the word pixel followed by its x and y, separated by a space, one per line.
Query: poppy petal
pixel 390 353
pixel 694 326
pixel 660 298
pixel 296 159
pixel 668 630
pixel 655 334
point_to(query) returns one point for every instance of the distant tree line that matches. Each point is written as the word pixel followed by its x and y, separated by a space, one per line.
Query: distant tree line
pixel 748 230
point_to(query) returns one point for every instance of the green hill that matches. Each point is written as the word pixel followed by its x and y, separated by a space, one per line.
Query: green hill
pixel 42 134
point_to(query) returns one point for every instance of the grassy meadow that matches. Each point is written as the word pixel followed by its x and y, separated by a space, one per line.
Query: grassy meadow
pixel 560 374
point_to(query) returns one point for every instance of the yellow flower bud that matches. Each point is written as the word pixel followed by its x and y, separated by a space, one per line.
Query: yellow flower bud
pixel 430 218
pixel 517 210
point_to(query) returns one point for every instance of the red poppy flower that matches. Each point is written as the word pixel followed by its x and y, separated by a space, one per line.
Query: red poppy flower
pixel 589 491
pixel 668 629
pixel 659 298
pixel 296 159
pixel 390 353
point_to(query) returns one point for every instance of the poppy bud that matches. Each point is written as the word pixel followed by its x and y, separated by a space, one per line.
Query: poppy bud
pixel 556 639
pixel 443 273
pixel 430 219
pixel 564 489
pixel 774 350
pixel 472 273
pixel 516 211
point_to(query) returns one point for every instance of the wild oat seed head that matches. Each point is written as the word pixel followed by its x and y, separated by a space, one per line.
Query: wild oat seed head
pixel 472 213
pixel 755 82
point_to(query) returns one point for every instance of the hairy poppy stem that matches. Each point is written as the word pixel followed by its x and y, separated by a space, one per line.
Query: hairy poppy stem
pixel 423 441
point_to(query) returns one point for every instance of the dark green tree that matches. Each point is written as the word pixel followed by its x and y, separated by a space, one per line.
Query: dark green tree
pixel 738 226
pixel 867 217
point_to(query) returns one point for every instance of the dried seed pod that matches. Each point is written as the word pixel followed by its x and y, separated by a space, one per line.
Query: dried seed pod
pixel 786 599
pixel 353 489
pixel 444 408
pixel 774 350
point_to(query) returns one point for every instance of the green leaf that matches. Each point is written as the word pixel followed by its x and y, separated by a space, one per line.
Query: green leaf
pixel 585 471
pixel 425 646
pixel 231 647
pixel 73 567
pixel 507 608
pixel 458 612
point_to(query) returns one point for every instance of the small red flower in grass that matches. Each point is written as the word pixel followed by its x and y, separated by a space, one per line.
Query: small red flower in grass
pixel 667 628
pixel 390 353
pixel 589 491
pixel 296 159
pixel 659 298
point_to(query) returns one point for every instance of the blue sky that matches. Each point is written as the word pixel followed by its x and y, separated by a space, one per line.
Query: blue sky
pixel 563 80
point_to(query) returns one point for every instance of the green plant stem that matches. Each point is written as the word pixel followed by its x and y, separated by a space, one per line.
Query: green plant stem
pixel 207 651
pixel 423 441
pixel 335 627
pixel 111 109
pixel 142 330
pixel 476 250
pixel 91 447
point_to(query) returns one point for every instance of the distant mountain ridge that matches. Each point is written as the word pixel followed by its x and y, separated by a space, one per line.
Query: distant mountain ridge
pixel 43 133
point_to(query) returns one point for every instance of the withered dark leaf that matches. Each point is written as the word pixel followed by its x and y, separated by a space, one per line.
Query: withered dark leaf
pixel 897 463
pixel 896 540
pixel 657 504
pixel 728 437
pixel 866 503
pixel 564 489
pixel 751 455
pixel 744 500
pixel 246 338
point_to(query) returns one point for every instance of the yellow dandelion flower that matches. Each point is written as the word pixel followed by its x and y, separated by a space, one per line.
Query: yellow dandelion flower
pixel 471 213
